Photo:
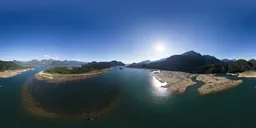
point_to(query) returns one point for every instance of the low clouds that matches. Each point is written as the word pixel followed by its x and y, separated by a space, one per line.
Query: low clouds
pixel 58 58
pixel 51 57
pixel 75 59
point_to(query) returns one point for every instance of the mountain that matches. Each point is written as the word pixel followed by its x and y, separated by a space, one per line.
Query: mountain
pixel 9 65
pixel 141 64
pixel 188 62
pixel 228 60
pixel 194 62
pixel 253 62
pixel 116 63
pixel 192 54
pixel 144 62
pixel 48 62
pixel 159 60
pixel 66 62
pixel 227 67
pixel 85 67
pixel 104 64
pixel 210 59
pixel 137 65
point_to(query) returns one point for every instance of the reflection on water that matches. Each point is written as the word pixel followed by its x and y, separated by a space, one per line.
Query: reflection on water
pixel 158 90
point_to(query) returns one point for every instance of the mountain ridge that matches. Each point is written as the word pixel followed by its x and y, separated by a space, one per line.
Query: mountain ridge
pixel 187 61
pixel 49 62
pixel 194 62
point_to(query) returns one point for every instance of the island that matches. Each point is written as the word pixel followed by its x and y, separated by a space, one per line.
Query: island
pixel 64 74
pixel 9 69
pixel 177 82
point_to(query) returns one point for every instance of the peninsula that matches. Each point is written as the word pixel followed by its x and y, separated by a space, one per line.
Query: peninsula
pixel 248 74
pixel 64 74
pixel 177 82
pixel 59 78
pixel 9 69
pixel 213 84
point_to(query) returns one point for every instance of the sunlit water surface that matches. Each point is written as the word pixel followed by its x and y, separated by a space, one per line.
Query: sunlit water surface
pixel 143 103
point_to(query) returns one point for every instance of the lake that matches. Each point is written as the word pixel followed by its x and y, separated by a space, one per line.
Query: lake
pixel 126 98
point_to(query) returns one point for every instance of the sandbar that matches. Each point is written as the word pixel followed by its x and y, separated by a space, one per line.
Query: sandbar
pixel 33 108
pixel 247 74
pixel 12 73
pixel 59 78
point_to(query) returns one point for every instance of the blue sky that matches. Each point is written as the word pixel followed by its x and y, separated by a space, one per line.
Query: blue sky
pixel 128 30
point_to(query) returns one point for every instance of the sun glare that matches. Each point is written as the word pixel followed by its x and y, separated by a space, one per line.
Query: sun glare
pixel 159 48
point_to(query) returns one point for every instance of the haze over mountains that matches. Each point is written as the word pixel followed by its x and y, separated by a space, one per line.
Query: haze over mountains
pixel 190 61
pixel 60 63
pixel 49 62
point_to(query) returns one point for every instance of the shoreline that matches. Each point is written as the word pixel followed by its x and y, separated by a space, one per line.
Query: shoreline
pixel 12 73
pixel 32 109
pixel 177 82
pixel 213 84
pixel 247 74
pixel 59 78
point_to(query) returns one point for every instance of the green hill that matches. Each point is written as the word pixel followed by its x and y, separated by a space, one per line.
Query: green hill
pixel 85 68
pixel 9 65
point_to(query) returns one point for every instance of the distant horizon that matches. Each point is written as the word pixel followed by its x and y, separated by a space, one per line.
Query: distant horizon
pixel 123 61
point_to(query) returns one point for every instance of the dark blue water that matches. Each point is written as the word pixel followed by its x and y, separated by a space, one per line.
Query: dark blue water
pixel 142 103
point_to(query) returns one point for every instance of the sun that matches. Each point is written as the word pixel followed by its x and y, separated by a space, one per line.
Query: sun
pixel 159 48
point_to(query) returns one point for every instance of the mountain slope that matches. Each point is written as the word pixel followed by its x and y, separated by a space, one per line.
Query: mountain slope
pixel 188 62
pixel 9 65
